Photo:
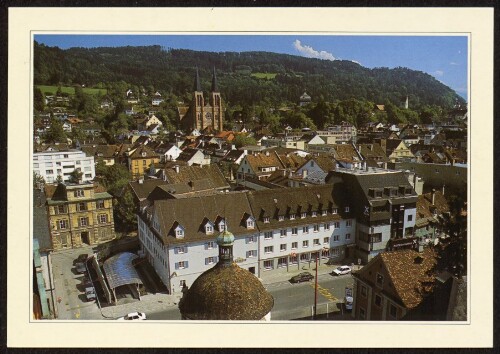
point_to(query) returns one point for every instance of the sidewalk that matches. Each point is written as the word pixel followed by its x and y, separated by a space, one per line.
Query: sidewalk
pixel 282 274
pixel 148 304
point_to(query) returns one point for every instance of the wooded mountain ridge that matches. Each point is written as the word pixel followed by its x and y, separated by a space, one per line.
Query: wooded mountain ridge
pixel 172 72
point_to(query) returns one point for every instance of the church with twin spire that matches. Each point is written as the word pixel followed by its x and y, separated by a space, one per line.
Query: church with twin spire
pixel 203 114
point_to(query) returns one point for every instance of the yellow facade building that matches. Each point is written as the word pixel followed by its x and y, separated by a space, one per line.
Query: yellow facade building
pixel 140 160
pixel 79 214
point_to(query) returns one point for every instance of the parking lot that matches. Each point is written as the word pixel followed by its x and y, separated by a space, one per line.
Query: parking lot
pixel 71 283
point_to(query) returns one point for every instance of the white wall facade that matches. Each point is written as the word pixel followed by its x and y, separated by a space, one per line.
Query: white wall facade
pixel 51 164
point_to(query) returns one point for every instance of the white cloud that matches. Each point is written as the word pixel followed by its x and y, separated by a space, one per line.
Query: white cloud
pixel 438 73
pixel 310 52
pixel 453 63
pixel 355 61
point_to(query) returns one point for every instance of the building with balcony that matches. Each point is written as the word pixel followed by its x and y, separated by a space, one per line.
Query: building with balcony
pixel 50 164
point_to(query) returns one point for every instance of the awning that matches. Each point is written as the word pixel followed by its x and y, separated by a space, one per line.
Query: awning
pixel 120 271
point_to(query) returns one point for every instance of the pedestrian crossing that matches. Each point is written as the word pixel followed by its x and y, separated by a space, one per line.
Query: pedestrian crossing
pixel 325 292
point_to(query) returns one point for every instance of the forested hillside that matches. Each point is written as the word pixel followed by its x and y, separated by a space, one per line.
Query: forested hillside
pixel 171 71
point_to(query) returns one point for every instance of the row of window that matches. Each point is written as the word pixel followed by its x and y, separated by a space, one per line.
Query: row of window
pixel 305 229
pixel 303 215
pixel 63 224
pixel 378 302
pixel 305 243
pixel 284 261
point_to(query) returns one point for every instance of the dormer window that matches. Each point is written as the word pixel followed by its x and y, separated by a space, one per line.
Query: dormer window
pixel 303 215
pixel 346 209
pixel 323 212
pixel 144 154
pixel 179 232
pixel 314 214
pixel 250 222
pixel 292 216
pixel 281 218
pixel 335 211
pixel 266 219
pixel 222 225
pixel 209 229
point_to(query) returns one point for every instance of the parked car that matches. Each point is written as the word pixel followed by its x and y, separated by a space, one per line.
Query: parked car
pixel 80 268
pixel 341 270
pixel 348 299
pixel 90 294
pixel 81 258
pixel 133 316
pixel 306 276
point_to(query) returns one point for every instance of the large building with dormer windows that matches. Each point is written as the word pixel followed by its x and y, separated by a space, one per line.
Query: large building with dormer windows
pixel 79 214
pixel 275 230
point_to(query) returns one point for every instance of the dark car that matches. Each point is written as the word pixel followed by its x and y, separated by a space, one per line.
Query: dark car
pixel 306 276
pixel 80 268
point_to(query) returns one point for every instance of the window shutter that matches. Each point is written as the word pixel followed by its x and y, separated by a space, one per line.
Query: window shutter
pixel 186 248
pixel 187 264
pixel 176 265
pixel 206 246
pixel 176 250
pixel 206 261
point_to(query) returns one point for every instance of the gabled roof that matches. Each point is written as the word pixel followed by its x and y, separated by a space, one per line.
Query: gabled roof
pixel 285 201
pixel 425 208
pixel 262 160
pixel 190 213
pixel 188 153
pixel 142 149
pixel 411 277
pixel 195 173
pixel 142 190
pixel 373 151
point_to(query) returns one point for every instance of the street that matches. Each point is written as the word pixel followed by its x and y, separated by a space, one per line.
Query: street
pixel 291 301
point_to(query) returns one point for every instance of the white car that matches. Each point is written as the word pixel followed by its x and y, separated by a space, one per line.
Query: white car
pixel 341 270
pixel 133 316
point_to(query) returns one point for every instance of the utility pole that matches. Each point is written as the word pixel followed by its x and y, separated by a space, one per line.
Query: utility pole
pixel 316 288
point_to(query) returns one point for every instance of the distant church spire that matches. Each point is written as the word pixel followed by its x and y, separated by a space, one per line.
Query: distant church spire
pixel 197 84
pixel 215 87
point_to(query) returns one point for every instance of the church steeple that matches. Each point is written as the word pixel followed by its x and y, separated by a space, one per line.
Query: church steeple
pixel 215 87
pixel 197 84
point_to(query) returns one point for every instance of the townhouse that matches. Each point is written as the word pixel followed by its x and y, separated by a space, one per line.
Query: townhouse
pixel 384 204
pixel 79 214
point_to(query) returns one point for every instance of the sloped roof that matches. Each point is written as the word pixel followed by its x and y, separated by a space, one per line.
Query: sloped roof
pixel 137 153
pixel 285 201
pixel 120 271
pixel 262 160
pixel 190 213
pixel 194 173
pixel 425 207
pixel 410 278
pixel 142 190
pixel 373 151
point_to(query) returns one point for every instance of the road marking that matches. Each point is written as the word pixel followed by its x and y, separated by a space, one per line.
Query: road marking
pixel 325 293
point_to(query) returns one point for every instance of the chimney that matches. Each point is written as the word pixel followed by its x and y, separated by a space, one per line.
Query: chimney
pixel 176 167
pixel 267 153
pixel 191 184
pixel 433 196
pixel 141 181
pixel 442 192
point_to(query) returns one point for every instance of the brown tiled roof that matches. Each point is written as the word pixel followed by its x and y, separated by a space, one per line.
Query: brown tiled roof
pixel 373 151
pixel 142 190
pixel 137 153
pixel 345 152
pixel 194 173
pixel 226 293
pixel 262 160
pixel 286 201
pixel 410 273
pixel 190 213
pixel 425 207
pixel 292 161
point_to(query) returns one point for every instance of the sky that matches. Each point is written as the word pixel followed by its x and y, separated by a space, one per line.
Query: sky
pixel 444 57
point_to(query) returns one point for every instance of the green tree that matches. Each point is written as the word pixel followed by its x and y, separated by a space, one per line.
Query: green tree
pixel 39 100
pixel 38 181
pixel 75 176
pixel 114 177
pixel 125 212
pixel 55 133
pixel 243 140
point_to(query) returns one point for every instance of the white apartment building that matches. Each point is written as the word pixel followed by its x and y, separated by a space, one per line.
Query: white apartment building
pixel 50 164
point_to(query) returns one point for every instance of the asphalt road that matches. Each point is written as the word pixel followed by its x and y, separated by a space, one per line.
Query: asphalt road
pixel 291 301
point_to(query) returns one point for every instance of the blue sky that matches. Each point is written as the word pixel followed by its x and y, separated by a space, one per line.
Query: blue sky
pixel 444 57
